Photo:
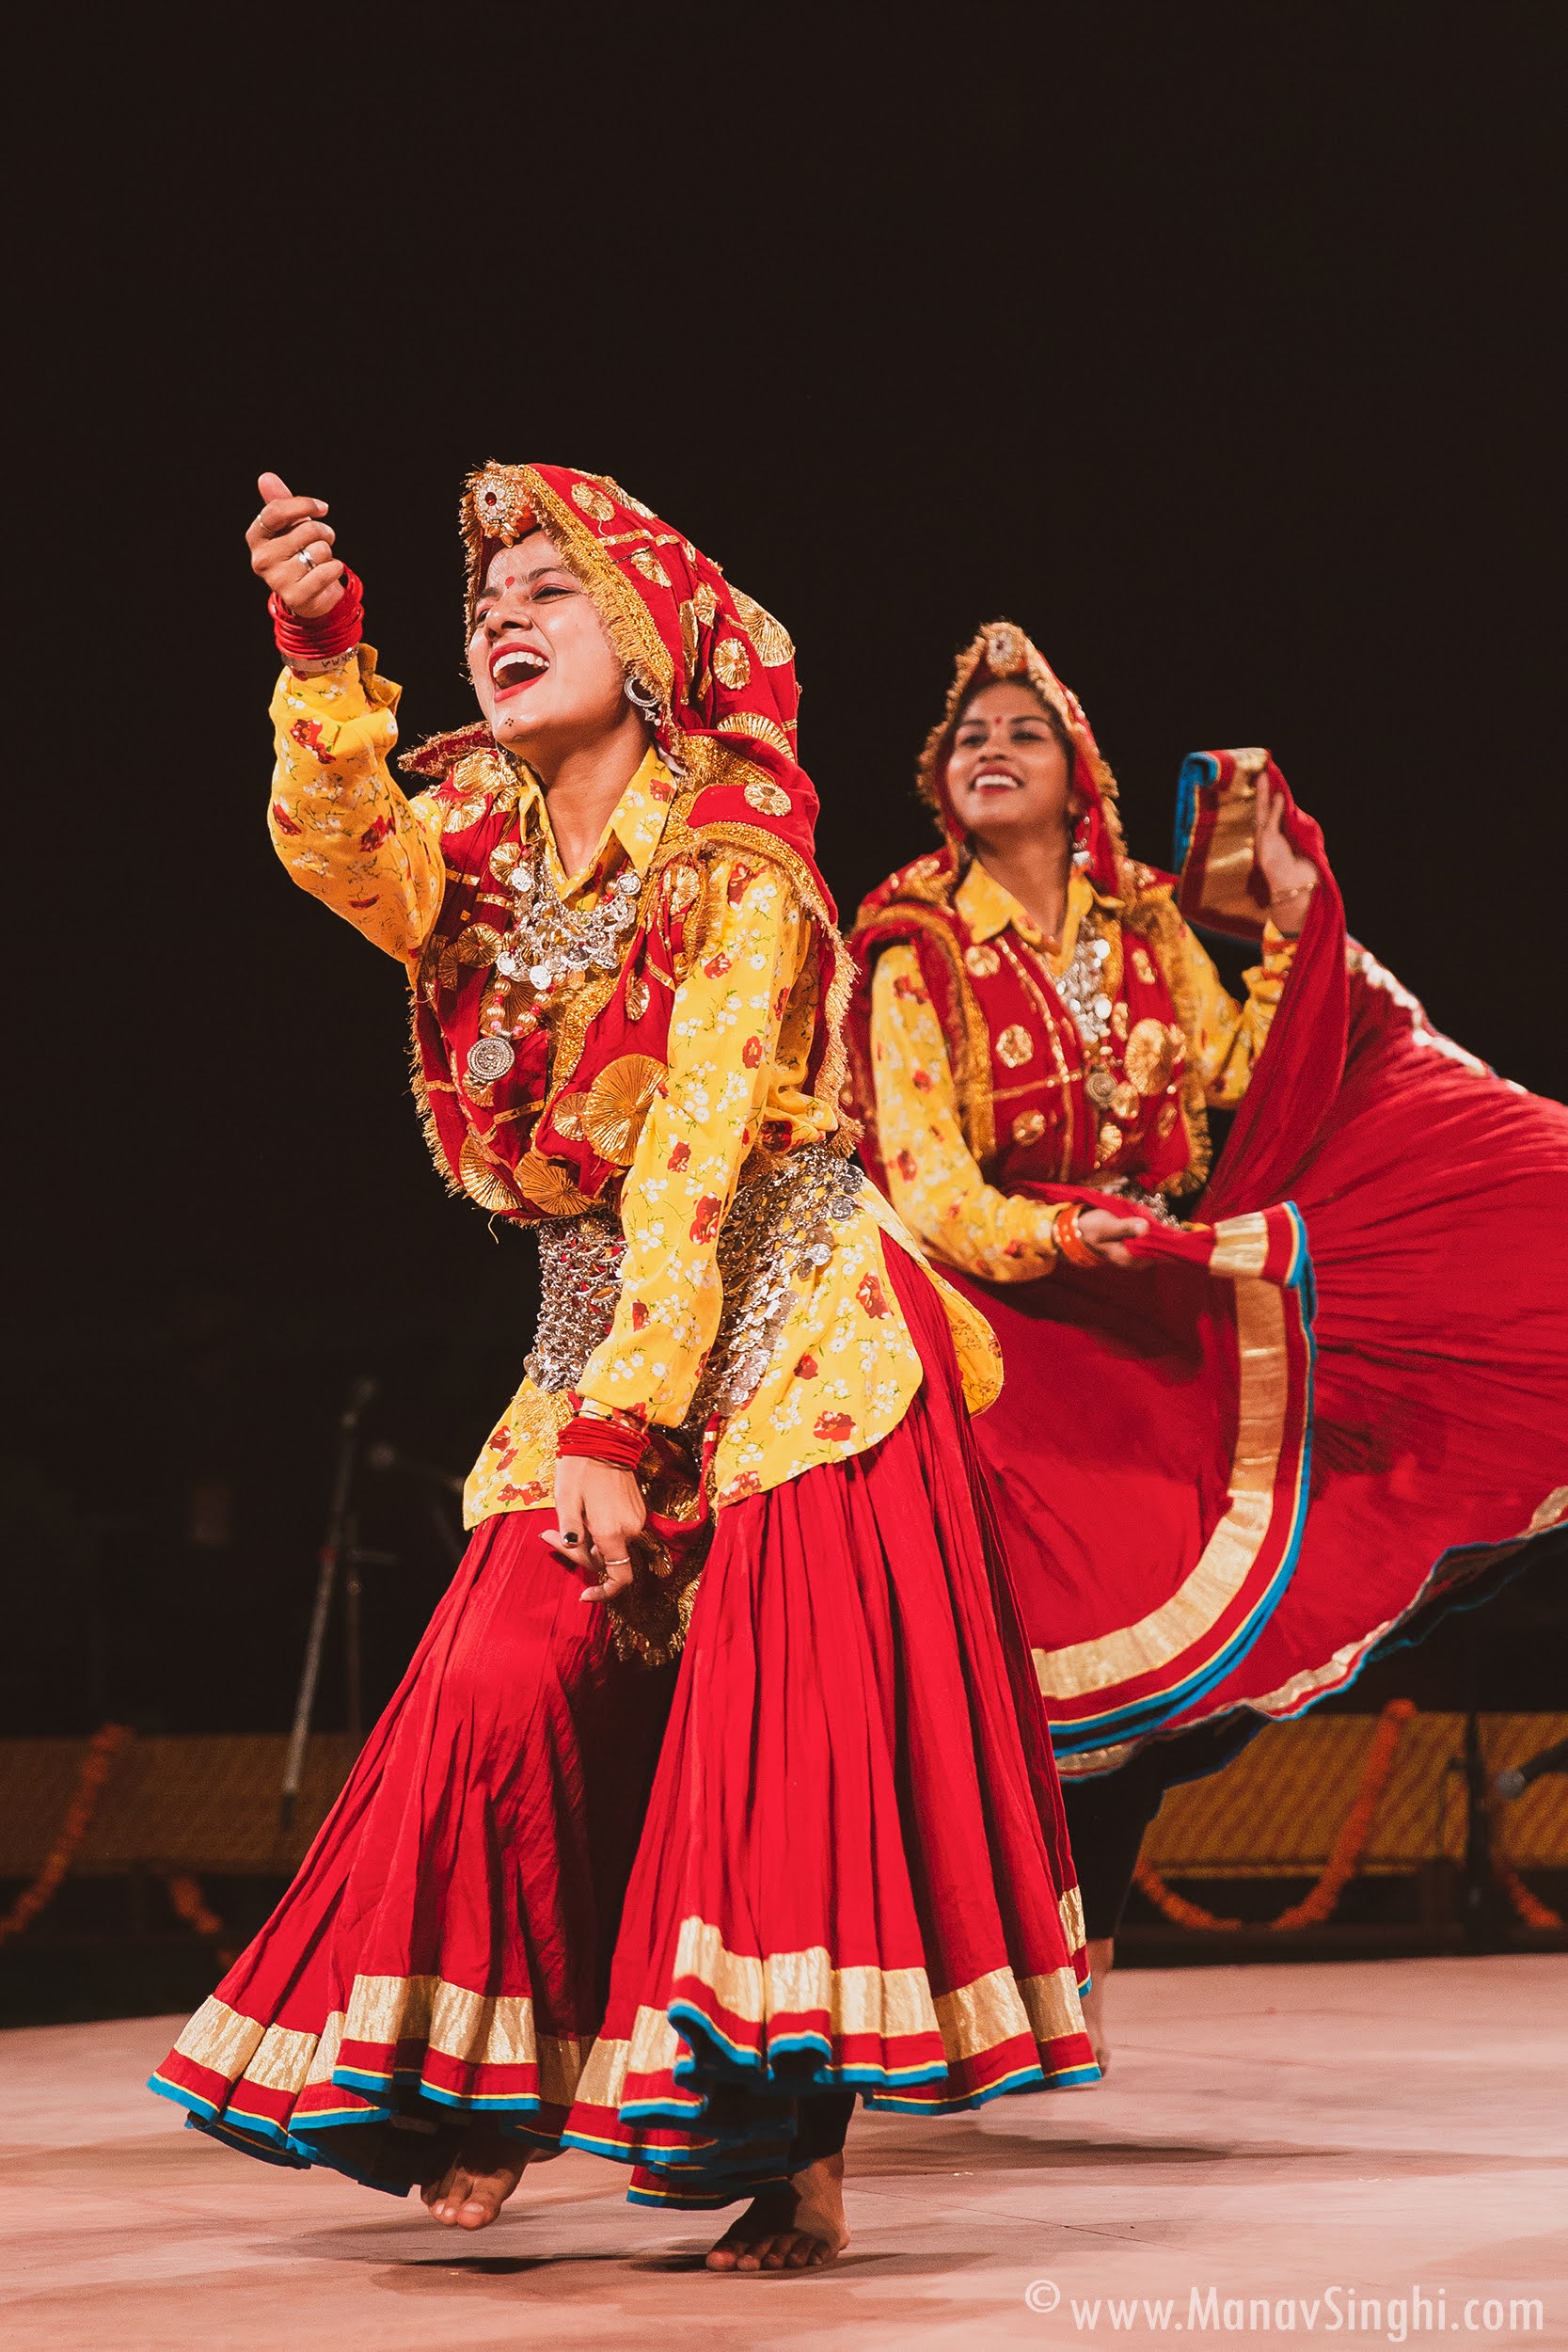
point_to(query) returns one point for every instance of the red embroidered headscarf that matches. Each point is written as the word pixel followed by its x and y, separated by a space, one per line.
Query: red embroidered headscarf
pixel 716 674
pixel 1001 652
pixel 719 667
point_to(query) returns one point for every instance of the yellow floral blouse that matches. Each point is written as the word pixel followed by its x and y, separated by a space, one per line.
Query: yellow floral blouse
pixel 843 1370
pixel 944 1197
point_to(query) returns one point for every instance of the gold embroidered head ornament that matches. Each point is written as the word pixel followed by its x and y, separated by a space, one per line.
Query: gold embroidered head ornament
pixel 1001 650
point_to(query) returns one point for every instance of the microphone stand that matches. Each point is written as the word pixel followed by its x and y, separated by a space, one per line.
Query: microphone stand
pixel 339 1538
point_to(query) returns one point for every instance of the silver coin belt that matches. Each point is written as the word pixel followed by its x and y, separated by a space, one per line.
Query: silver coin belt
pixel 778 1226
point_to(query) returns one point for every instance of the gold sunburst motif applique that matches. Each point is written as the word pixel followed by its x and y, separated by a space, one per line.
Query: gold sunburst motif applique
pixel 1151 1055
pixel 762 730
pixel 1015 1046
pixel 1028 1126
pixel 982 962
pixel 482 1182
pixel 705 602
pixel 478 944
pixel 1126 1101
pixel 731 664
pixel 459 816
pixel 649 566
pixel 626 498
pixel 592 503
pixel 566 1117
pixel 769 799
pixel 548 1186
pixel 616 1104
pixel 774 645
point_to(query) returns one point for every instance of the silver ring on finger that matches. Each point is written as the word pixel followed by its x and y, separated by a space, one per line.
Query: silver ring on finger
pixel 307 559
pixel 624 1562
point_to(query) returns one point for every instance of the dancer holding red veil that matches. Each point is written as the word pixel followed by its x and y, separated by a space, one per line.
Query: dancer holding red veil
pixel 1335 1388
pixel 848 1873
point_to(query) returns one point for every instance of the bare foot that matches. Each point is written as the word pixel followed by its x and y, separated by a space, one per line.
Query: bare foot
pixel 797 2228
pixel 476 2184
pixel 1100 1953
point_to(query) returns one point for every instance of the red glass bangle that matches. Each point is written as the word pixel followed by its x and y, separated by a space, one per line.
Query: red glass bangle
pixel 1070 1242
pixel 323 640
pixel 602 1441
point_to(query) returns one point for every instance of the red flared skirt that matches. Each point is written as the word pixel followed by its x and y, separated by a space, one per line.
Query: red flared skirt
pixel 445 1948
pixel 1232 1517
pixel 855 1871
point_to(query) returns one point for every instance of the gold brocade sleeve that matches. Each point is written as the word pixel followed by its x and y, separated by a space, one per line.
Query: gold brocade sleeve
pixel 934 1181
pixel 1226 1039
pixel 728 1068
pixel 339 822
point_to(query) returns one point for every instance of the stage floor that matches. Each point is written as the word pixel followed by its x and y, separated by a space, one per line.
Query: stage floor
pixel 1376 2128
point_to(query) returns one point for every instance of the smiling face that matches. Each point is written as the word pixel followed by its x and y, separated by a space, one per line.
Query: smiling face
pixel 547 678
pixel 1010 772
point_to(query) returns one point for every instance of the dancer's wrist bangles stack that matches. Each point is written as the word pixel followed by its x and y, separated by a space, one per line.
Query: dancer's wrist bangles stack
pixel 1069 1239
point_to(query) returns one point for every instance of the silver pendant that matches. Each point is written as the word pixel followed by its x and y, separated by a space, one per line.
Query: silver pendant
pixel 489 1058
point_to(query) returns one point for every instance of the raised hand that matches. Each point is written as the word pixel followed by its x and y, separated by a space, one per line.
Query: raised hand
pixel 291 549
pixel 1292 879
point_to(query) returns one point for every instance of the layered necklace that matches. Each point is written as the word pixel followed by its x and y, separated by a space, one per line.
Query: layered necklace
pixel 549 946
pixel 1082 985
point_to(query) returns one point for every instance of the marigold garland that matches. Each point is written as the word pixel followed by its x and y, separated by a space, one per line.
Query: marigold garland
pixel 1532 1911
pixel 97 1766
pixel 184 1892
pixel 1344 1858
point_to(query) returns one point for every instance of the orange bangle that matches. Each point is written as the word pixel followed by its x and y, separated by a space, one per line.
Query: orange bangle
pixel 1070 1242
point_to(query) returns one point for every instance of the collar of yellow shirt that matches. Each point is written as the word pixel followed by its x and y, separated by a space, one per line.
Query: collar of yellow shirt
pixel 987 907
pixel 637 822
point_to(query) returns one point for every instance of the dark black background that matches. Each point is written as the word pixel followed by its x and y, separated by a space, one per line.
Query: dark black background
pixel 1208 343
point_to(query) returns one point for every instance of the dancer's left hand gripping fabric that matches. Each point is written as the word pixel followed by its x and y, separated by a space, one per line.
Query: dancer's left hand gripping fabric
pixel 719 1791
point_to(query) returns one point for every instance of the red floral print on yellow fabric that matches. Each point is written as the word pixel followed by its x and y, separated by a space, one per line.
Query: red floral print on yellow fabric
pixel 282 820
pixel 706 1223
pixel 680 1157
pixel 872 1297
pixel 834 1426
pixel 308 731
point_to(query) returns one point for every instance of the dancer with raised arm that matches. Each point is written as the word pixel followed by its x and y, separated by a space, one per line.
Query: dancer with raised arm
pixel 853 1876
pixel 1038 1037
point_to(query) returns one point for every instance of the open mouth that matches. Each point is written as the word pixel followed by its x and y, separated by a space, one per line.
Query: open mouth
pixel 513 667
pixel 996 780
